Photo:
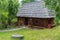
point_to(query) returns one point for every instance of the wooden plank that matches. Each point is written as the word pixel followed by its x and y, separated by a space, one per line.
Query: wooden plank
pixel 50 23
pixel 21 21
pixel 40 22
pixel 30 22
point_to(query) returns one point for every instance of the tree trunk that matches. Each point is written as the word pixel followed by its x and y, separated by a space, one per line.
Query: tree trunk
pixel 9 21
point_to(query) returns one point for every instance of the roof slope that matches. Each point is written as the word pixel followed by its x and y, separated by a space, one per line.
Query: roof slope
pixel 35 9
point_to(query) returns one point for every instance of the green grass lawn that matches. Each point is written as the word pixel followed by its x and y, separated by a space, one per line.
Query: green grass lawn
pixel 40 34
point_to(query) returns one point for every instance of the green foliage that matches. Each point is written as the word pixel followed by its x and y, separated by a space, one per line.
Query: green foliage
pixel 27 1
pixel 3 20
pixel 51 3
pixel 8 11
pixel 3 4
pixel 12 9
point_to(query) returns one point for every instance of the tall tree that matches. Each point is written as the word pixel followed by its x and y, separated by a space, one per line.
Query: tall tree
pixel 12 9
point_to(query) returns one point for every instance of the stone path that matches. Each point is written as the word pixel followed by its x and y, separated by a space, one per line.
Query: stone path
pixel 11 29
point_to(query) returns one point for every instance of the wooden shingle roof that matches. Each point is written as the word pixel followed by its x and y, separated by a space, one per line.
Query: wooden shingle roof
pixel 35 9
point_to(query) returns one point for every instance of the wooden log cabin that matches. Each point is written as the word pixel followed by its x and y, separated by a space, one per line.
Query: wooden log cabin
pixel 35 15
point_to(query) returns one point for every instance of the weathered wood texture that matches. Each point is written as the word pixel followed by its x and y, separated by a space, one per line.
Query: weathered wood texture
pixel 40 22
pixel 36 22
pixel 50 22
pixel 30 22
pixel 21 21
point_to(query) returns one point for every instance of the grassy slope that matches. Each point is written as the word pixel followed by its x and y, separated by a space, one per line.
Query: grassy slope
pixel 41 34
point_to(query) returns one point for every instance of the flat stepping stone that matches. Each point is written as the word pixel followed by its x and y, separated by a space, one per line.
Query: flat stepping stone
pixel 18 37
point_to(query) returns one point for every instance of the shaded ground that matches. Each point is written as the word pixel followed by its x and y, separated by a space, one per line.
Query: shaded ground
pixel 40 34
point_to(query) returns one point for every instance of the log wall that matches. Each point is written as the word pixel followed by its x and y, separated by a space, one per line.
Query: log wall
pixel 21 21
pixel 35 22
pixel 40 23
pixel 50 22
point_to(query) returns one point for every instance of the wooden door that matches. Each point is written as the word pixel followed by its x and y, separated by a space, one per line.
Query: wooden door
pixel 26 21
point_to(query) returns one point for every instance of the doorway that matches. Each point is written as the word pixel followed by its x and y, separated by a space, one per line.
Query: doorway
pixel 26 21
